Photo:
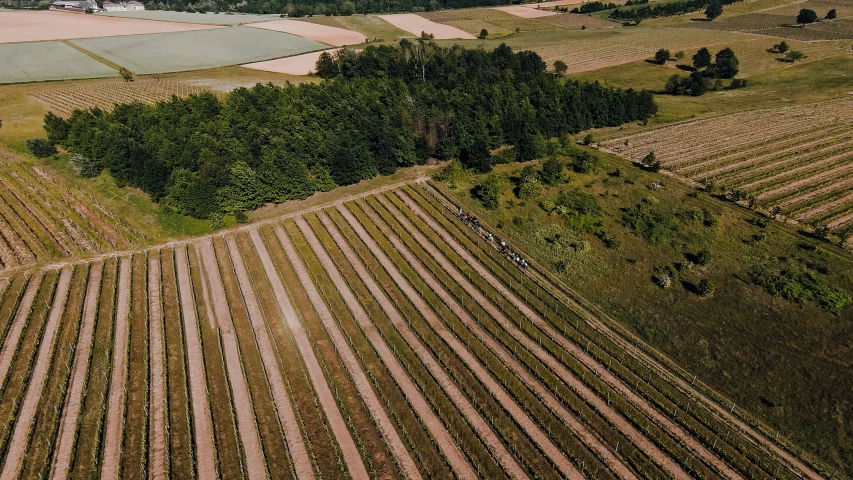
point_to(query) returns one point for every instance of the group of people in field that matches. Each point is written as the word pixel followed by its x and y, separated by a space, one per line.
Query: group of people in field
pixel 474 223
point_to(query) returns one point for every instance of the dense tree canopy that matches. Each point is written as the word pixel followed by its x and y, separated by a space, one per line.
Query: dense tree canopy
pixel 666 9
pixel 381 109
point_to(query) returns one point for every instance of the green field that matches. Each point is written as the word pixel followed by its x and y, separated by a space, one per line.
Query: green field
pixel 45 61
pixel 198 50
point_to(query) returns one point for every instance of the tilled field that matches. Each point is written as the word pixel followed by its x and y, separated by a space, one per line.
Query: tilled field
pixel 795 161
pixel 379 337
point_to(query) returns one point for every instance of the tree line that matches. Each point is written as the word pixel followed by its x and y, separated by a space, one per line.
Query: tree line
pixel 378 110
pixel 667 9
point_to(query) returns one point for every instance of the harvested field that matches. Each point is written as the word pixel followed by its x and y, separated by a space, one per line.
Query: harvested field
pixel 798 160
pixel 525 12
pixel 573 21
pixel 319 33
pixel 376 337
pixel 46 61
pixel 304 64
pixel 184 51
pixel 231 18
pixel 416 25
pixel 784 26
pixel 30 26
pixel 106 95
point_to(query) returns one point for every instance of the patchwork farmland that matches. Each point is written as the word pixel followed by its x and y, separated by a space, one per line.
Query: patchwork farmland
pixel 794 161
pixel 43 219
pixel 375 337
pixel 106 95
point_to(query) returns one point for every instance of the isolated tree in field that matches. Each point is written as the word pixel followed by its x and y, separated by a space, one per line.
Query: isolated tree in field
pixel 704 288
pixel 703 257
pixel 662 56
pixel 781 47
pixel 726 63
pixel 702 59
pixel 806 16
pixel 830 15
pixel 560 67
pixel 794 55
pixel 125 74
pixel 650 162
pixel 483 34
pixel 714 10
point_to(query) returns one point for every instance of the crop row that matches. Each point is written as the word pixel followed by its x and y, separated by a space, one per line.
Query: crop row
pixel 106 95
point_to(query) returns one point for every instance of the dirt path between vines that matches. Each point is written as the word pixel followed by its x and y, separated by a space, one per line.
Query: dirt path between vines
pixel 74 401
pixel 365 390
pixel 114 432
pixel 13 336
pixel 688 441
pixel 17 448
pixel 578 428
pixel 351 456
pixel 205 447
pixel 289 424
pixel 243 406
pixel 158 404
pixel 468 411
pixel 447 445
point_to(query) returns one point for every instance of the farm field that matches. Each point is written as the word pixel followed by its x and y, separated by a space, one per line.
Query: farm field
pixel 183 51
pixel 42 219
pixel 45 61
pixel 319 33
pixel 498 21
pixel 525 12
pixel 63 101
pixel 189 17
pixel 296 65
pixel 376 337
pixel 32 26
pixel 416 24
pixel 796 161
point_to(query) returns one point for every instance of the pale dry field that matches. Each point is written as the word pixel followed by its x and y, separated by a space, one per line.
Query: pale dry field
pixel 417 24
pixel 296 65
pixel 40 26
pixel 525 12
pixel 312 31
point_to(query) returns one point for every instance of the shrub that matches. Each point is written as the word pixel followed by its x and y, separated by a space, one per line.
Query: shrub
pixel 704 288
pixel 794 55
pixel 651 163
pixel 483 34
pixel 552 172
pixel 651 223
pixel 703 257
pixel 125 74
pixel 529 190
pixel 489 191
pixel 781 47
pixel 800 286
pixel 584 162
pixel 737 83
pixel 560 67
pixel 662 56
pixel 41 147
pixel 85 166
pixel 830 15
pixel 588 139
pixel 581 211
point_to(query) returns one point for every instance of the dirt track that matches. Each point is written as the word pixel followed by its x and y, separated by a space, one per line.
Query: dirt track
pixel 484 431
pixel 158 403
pixel 114 432
pixel 205 448
pixel 66 438
pixel 18 444
pixel 365 390
pixel 278 389
pixel 243 406
pixel 350 453
pixel 564 465
pixel 690 443
pixel 553 404
pixel 13 337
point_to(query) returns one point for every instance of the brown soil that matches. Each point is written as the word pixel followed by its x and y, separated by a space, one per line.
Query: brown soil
pixel 17 448
pixel 114 431
pixel 374 406
pixel 159 406
pixel 246 423
pixel 74 401
pixel 278 389
pixel 349 451
pixel 205 448
pixel 10 346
